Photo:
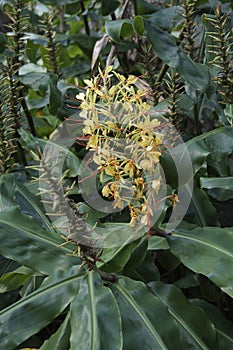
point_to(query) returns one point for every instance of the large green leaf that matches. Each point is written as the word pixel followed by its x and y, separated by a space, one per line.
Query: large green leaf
pixel 164 44
pixel 220 188
pixel 217 143
pixel 61 339
pixel 109 7
pixel 197 330
pixel 206 250
pixel 114 259
pixel 95 317
pixel 15 279
pixel 201 210
pixel 167 18
pixel 146 272
pixel 119 29
pixel 7 189
pixel 31 205
pixel 146 322
pixel 224 327
pixel 66 158
pixel 23 240
pixel 30 314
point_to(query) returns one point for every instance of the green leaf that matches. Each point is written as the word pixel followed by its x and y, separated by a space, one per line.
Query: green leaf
pixel 167 18
pixel 61 339
pixel 163 43
pixel 14 280
pixel 217 143
pixel 30 68
pixel 55 97
pixel 224 328
pixel 201 210
pixel 141 310
pixel 36 80
pixel 85 45
pixel 7 191
pixel 109 7
pixel 206 250
pixel 31 205
pixel 70 160
pixel 119 29
pixel 145 7
pixel 114 259
pixel 95 317
pixel 23 240
pixel 145 272
pixel 30 314
pixel 138 25
pixel 3 42
pixel 156 243
pixel 220 188
pixel 197 330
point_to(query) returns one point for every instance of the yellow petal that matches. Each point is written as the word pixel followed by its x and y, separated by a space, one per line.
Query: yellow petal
pixel 88 83
pixel 106 192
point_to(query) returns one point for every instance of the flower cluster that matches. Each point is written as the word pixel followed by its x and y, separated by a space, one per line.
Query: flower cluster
pixel 126 142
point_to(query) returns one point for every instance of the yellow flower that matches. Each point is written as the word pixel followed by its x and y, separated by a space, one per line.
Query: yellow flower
pixel 130 168
pixel 119 203
pixel 147 164
pixel 89 83
pixel 174 198
pixel 156 185
pixel 93 142
pixel 139 181
pixel 106 192
pixel 80 96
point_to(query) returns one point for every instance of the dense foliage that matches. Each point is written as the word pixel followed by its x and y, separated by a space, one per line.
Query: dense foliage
pixel 116 185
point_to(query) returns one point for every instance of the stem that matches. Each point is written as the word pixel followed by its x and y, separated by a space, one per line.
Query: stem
pixel 85 19
pixel 135 5
pixel 28 115
pixel 162 73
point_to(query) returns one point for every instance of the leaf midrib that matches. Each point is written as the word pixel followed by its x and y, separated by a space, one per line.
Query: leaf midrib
pixel 147 322
pixel 32 234
pixel 204 242
pixel 187 327
pixel 93 310
pixel 40 292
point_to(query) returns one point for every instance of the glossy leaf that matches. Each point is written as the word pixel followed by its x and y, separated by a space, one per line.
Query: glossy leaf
pixel 61 339
pixel 138 25
pixel 31 205
pixel 114 259
pixel 95 318
pixel 118 29
pixel 201 210
pixel 224 328
pixel 7 190
pixel 68 160
pixel 197 330
pixel 15 279
pixel 163 43
pixel 109 7
pixel 145 8
pixel 167 18
pixel 206 250
pixel 30 314
pixel 220 188
pixel 141 310
pixel 218 143
pixel 146 272
pixel 157 242
pixel 23 240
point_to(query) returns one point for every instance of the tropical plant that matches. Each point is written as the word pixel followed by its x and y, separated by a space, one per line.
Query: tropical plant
pixel 116 175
